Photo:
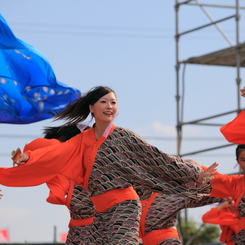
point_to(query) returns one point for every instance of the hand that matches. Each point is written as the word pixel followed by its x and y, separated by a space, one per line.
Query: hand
pixel 208 174
pixel 22 159
pixel 1 195
pixel 228 203
pixel 242 92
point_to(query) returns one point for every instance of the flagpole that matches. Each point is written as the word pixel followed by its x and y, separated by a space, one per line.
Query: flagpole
pixel 55 234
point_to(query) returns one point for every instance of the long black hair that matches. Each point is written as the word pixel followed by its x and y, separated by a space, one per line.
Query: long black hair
pixel 62 133
pixel 78 110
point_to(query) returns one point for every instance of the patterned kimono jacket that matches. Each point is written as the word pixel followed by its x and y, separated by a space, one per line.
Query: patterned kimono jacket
pixel 108 168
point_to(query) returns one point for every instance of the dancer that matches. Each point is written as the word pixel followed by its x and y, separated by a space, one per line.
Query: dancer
pixel 159 216
pixel 108 160
pixel 233 186
pixel 224 216
pixel 64 191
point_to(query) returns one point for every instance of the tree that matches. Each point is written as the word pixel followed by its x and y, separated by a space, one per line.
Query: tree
pixel 194 233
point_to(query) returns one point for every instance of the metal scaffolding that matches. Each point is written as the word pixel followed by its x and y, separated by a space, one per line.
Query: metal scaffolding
pixel 234 56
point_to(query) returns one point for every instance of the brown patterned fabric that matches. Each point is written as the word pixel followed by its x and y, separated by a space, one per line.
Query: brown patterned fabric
pixel 163 211
pixel 117 226
pixel 125 159
pixel 81 207
pixel 171 241
pixel 241 235
pixel 78 235
pixel 240 238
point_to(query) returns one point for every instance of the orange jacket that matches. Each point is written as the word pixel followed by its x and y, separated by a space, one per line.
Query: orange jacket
pixel 228 222
pixel 230 186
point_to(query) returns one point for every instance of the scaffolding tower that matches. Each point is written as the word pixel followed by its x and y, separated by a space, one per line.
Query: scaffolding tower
pixel 233 56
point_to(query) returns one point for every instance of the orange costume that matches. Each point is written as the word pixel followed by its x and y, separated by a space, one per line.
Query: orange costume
pixel 234 185
pixel 76 198
pixel 109 168
pixel 228 223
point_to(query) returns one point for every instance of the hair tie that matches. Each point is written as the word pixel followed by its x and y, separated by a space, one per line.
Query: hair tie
pixel 82 126
pixel 236 165
pixel 107 130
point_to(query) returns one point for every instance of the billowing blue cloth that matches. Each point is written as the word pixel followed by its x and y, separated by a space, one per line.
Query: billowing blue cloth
pixel 29 91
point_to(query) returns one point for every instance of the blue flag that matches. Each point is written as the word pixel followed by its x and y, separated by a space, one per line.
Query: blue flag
pixel 29 91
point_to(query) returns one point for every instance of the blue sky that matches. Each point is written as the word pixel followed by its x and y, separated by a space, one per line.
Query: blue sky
pixel 129 46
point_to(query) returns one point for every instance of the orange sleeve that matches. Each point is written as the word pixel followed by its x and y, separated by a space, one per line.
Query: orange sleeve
pixel 40 143
pixel 226 186
pixel 222 217
pixel 234 130
pixel 227 221
pixel 59 188
pixel 45 163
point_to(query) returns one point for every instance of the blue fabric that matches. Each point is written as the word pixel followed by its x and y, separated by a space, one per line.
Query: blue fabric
pixel 29 91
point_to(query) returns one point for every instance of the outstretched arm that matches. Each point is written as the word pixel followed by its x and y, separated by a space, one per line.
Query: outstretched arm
pixel 41 165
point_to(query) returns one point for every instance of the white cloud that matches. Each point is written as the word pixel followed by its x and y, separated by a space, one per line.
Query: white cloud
pixel 16 213
pixel 164 130
pixel 156 128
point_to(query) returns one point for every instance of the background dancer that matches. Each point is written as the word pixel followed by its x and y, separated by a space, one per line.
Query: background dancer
pixel 224 216
pixel 66 192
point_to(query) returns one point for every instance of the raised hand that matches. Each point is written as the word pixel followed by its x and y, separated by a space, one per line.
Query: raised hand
pixel 228 203
pixel 207 175
pixel 242 92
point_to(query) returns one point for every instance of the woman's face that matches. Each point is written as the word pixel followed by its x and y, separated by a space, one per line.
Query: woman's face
pixel 241 160
pixel 105 109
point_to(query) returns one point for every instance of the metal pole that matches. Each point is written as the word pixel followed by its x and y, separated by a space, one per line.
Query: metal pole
pixel 217 26
pixel 177 66
pixel 177 97
pixel 55 234
pixel 238 55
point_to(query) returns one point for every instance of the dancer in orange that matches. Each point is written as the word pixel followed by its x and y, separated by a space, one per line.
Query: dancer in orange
pixel 224 216
pixel 233 186
pixel 108 161
pixel 66 192
pixel 159 217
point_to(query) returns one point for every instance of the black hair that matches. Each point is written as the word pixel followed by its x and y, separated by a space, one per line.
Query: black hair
pixel 62 133
pixel 239 148
pixel 78 110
